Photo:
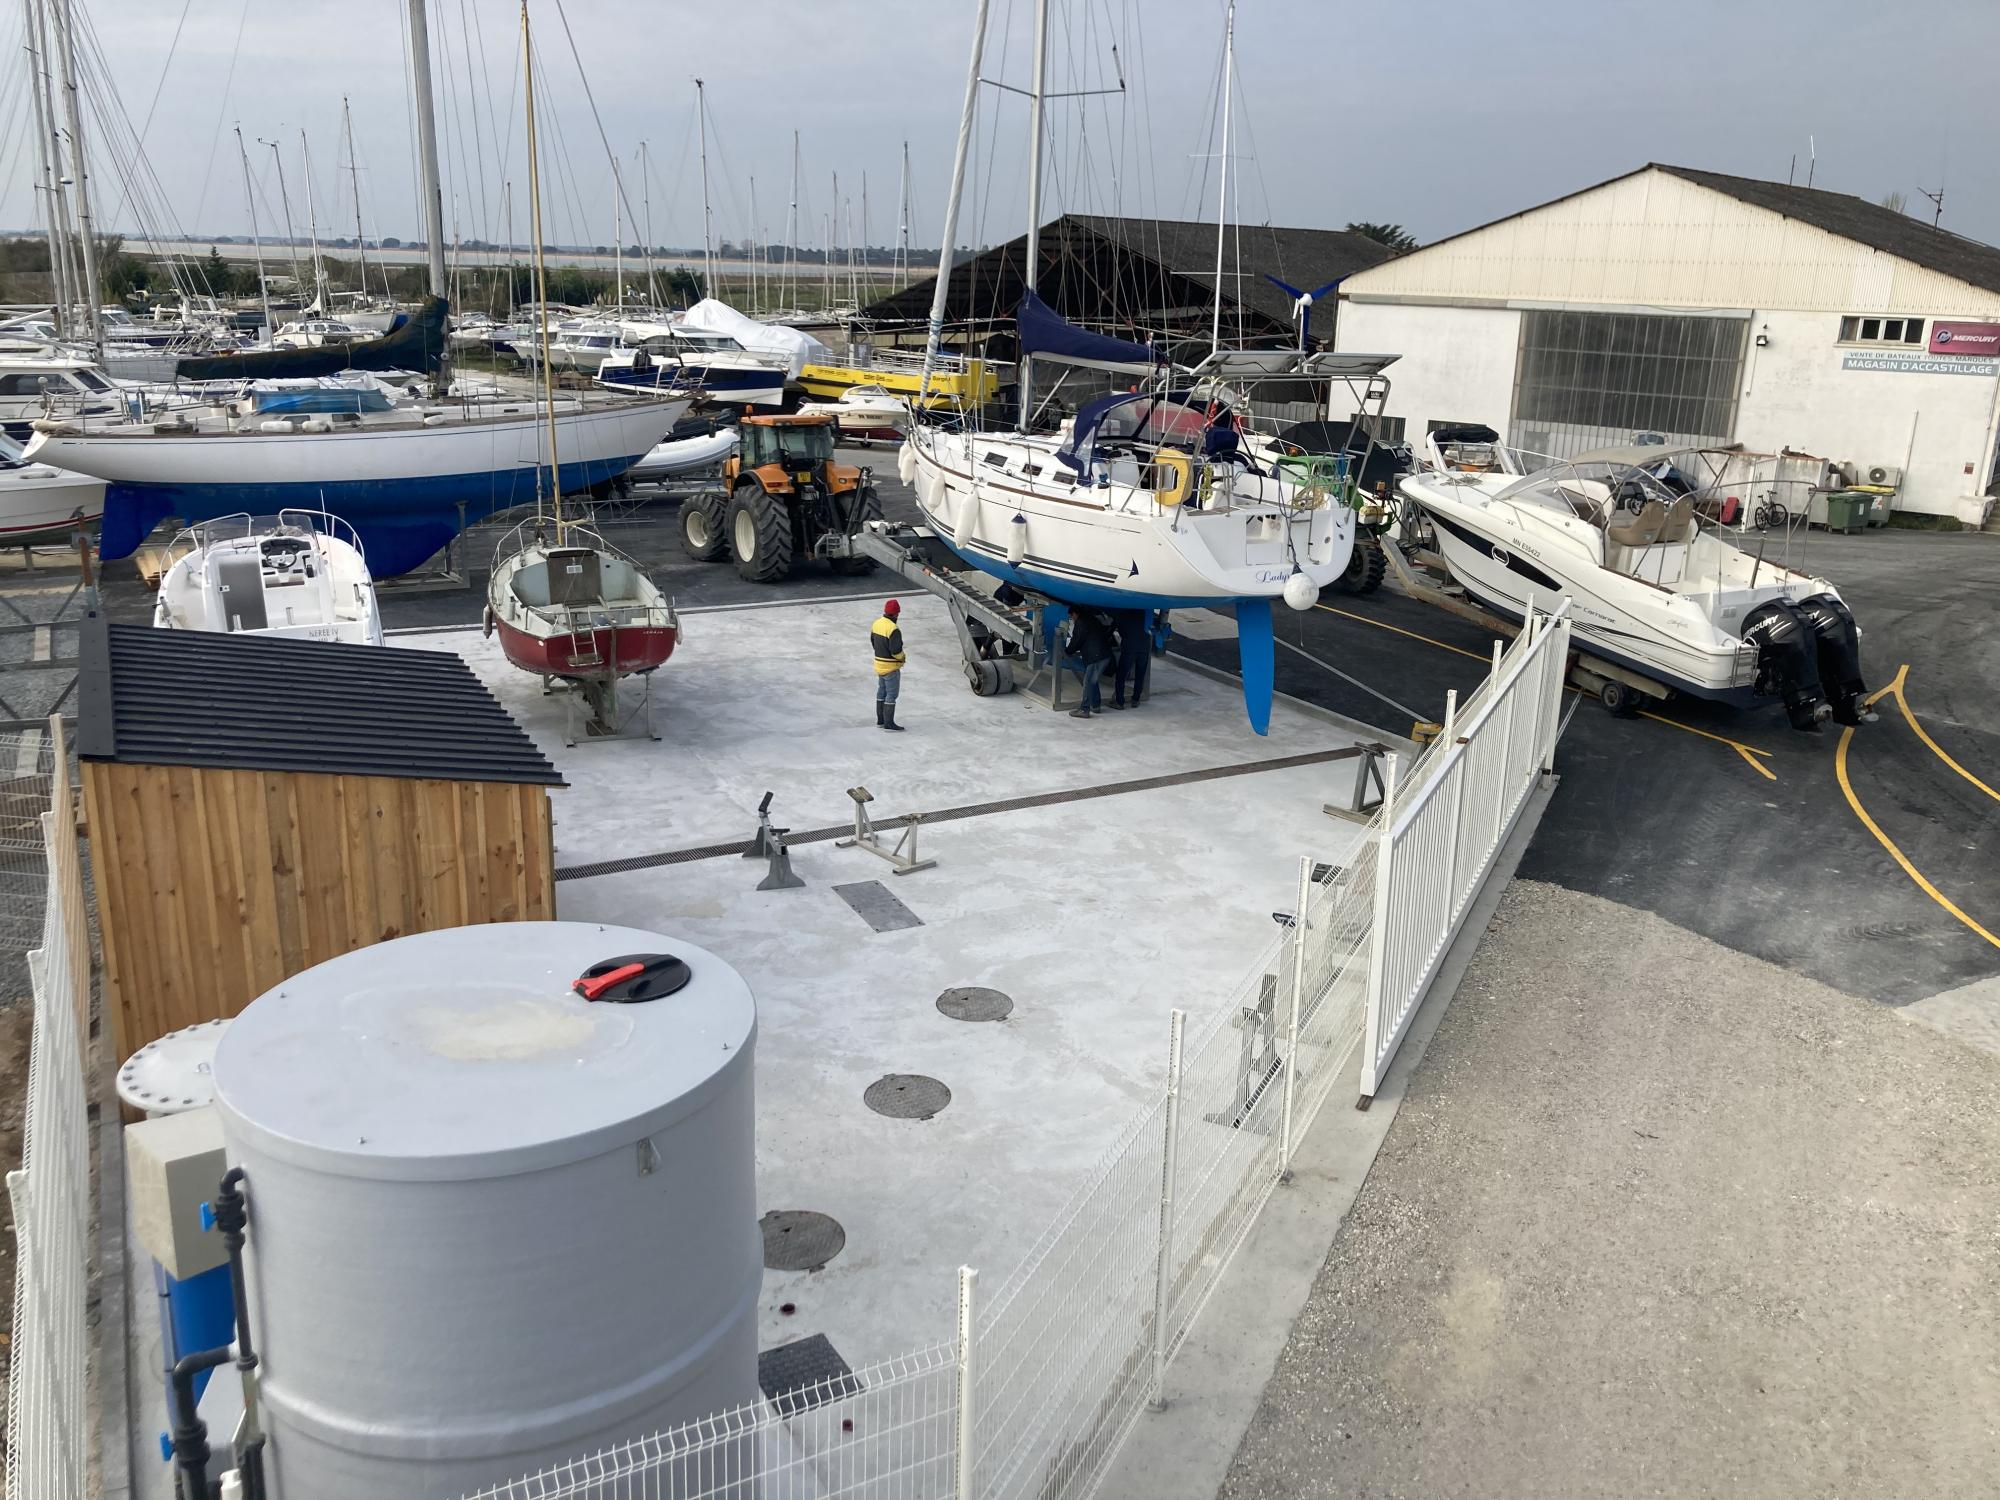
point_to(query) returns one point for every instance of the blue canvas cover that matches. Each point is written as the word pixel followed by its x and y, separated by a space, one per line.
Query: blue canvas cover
pixel 1046 335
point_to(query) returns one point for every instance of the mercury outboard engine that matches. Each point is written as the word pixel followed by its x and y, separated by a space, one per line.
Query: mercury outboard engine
pixel 1839 656
pixel 1788 658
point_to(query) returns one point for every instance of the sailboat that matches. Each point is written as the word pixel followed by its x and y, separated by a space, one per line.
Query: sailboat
pixel 1151 500
pixel 566 605
pixel 407 480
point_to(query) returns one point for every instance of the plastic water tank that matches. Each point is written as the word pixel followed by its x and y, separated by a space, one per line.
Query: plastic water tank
pixel 493 1225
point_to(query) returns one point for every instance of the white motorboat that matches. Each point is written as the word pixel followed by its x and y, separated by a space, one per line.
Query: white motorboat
pixel 41 504
pixel 294 575
pixel 865 413
pixel 317 333
pixel 44 382
pixel 1656 588
pixel 653 356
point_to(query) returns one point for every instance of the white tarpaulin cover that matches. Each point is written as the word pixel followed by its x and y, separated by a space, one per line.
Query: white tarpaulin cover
pixel 795 348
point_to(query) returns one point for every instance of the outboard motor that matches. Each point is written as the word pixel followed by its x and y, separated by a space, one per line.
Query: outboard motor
pixel 1839 656
pixel 1788 661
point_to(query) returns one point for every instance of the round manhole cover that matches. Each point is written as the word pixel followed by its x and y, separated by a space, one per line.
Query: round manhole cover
pixel 972 1003
pixel 906 1096
pixel 797 1239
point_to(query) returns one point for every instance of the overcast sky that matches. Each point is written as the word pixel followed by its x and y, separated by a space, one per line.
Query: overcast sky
pixel 1436 114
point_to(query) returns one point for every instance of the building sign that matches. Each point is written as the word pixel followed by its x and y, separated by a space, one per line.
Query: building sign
pixel 1965 338
pixel 1920 364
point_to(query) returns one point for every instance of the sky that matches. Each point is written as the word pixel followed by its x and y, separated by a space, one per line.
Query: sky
pixel 1435 114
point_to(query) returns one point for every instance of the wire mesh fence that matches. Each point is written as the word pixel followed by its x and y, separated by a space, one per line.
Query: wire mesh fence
pixel 1053 1369
pixel 49 1422
pixel 27 761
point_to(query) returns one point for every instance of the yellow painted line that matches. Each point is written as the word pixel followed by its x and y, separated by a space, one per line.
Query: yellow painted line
pixel 1748 752
pixel 1398 630
pixel 1895 690
pixel 1847 790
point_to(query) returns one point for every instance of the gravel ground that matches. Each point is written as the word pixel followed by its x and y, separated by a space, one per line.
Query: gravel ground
pixel 1657 1218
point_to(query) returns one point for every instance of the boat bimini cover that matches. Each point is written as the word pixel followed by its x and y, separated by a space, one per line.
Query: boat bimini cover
pixel 1131 415
pixel 1045 334
pixel 796 349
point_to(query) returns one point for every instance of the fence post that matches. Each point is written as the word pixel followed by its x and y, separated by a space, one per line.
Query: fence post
pixel 1378 936
pixel 1163 1272
pixel 1560 671
pixel 968 1279
pixel 1505 775
pixel 1292 1023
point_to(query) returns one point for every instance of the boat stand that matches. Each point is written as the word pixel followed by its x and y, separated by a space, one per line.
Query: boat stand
pixel 448 576
pixel 769 844
pixel 1367 770
pixel 605 717
pixel 902 855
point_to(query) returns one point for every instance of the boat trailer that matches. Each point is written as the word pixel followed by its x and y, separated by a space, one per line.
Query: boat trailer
pixel 1002 643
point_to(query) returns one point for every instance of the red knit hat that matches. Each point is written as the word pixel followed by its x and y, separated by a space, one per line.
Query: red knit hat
pixel 892 609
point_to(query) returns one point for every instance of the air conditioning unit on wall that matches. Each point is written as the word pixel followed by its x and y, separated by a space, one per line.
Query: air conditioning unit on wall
pixel 1885 475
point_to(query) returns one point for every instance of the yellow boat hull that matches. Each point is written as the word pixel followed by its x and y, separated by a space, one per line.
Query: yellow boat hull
pixel 972 385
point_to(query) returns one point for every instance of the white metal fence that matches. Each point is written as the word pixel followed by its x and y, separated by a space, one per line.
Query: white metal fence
pixel 49 1426
pixel 1050 1371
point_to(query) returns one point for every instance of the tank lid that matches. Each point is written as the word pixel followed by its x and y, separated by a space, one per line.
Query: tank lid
pixel 469 1052
pixel 175 1073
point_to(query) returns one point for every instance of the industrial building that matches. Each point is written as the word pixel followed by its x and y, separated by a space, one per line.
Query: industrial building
pixel 1705 308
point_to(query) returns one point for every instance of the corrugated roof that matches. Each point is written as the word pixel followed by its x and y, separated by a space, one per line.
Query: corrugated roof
pixel 238 702
pixel 1866 223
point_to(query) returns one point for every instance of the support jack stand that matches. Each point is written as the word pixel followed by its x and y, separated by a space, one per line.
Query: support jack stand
pixel 902 855
pixel 769 844
pixel 1367 768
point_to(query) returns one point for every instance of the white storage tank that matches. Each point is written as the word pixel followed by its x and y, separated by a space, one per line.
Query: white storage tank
pixel 493 1224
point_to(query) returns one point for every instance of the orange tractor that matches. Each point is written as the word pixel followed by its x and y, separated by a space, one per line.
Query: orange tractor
pixel 784 499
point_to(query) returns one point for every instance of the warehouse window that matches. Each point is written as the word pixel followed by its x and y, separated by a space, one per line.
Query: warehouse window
pixel 1881 330
pixel 1594 379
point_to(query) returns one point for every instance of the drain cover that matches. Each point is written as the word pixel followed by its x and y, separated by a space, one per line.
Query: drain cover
pixel 906 1096
pixel 798 1240
pixel 799 1376
pixel 972 1003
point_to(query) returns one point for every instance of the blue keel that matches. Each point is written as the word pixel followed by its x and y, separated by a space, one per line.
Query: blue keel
pixel 1258 654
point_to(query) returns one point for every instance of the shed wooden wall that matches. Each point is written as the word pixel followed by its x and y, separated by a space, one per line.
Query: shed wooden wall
pixel 213 886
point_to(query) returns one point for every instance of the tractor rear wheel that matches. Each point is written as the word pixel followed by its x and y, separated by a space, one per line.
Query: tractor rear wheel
pixel 867 507
pixel 702 536
pixel 1365 567
pixel 760 533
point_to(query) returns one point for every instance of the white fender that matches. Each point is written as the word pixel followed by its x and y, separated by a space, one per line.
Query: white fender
pixel 967 518
pixel 1017 539
pixel 906 463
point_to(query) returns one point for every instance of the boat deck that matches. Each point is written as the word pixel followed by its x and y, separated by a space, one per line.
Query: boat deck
pixel 1095 910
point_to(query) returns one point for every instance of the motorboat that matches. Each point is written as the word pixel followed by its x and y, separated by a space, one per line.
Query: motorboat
pixel 296 576
pixel 954 380
pixel 656 356
pixel 317 333
pixel 1657 588
pixel 407 479
pixel 866 414
pixel 41 504
pixel 38 381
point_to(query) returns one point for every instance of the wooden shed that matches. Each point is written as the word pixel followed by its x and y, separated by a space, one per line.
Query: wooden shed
pixel 257 806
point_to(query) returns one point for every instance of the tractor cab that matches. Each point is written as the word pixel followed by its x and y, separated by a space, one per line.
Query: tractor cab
pixel 796 449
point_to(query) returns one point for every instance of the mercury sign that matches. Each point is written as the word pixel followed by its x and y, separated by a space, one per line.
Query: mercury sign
pixel 1982 340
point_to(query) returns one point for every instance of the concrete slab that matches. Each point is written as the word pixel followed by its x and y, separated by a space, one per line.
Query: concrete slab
pixel 1096 917
pixel 1970 1012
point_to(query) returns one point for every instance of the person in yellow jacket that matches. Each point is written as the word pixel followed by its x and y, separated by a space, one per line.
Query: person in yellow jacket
pixel 887 636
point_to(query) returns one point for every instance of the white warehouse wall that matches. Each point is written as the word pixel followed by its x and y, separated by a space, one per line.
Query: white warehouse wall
pixel 1796 394
pixel 1457 364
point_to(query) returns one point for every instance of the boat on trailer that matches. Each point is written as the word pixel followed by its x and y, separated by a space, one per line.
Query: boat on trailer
pixel 41 504
pixel 1658 587
pixel 296 575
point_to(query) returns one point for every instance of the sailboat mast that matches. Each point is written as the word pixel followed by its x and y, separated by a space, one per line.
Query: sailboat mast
pixel 646 199
pixel 541 265
pixel 354 173
pixel 285 203
pixel 903 222
pixel 832 228
pixel 80 170
pixel 427 143
pixel 618 237
pixel 755 297
pixel 792 233
pixel 1222 196
pixel 53 214
pixel 1035 122
pixel 940 294
pixel 707 237
pixel 312 227
pixel 256 236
